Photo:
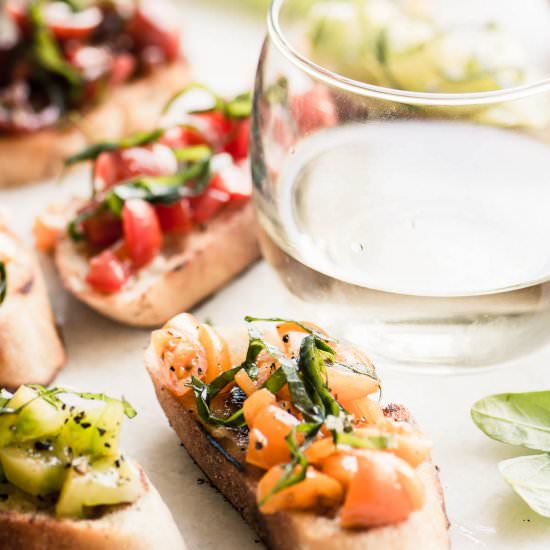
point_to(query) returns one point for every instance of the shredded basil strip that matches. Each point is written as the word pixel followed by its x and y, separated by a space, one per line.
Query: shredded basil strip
pixel 50 396
pixel 255 346
pixel 3 282
pixel 45 49
pixel 216 104
pixel 299 461
pixel 310 330
pixel 93 151
pixel 204 393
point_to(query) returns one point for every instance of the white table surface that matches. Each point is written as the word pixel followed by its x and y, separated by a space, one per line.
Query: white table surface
pixel 223 45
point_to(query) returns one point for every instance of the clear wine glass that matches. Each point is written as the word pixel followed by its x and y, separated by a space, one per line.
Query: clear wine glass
pixel 401 163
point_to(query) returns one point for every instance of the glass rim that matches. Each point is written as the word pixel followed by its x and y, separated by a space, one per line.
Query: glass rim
pixel 337 80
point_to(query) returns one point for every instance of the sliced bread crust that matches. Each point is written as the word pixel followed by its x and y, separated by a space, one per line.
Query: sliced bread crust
pixel 426 529
pixel 129 108
pixel 197 265
pixel 31 351
pixel 146 524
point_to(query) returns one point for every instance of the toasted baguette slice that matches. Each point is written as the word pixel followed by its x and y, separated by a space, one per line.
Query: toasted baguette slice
pixel 426 529
pixel 146 524
pixel 191 268
pixel 129 108
pixel 30 349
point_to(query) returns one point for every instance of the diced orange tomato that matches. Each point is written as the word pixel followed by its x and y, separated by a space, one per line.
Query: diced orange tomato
pixel 365 410
pixel 346 385
pixel 384 490
pixel 267 445
pixel 256 403
pixel 48 227
pixel 320 449
pixel 316 490
pixel 217 352
pixel 341 466
pixel 245 382
pixel 410 445
pixel 181 353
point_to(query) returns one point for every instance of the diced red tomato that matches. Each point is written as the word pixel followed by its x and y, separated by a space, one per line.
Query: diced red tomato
pixel 150 160
pixel 314 109
pixel 234 181
pixel 122 67
pixel 208 204
pixel 237 147
pixel 215 126
pixel 102 229
pixel 142 232
pixel 182 136
pixel 69 25
pixel 149 28
pixel 176 217
pixel 107 273
pixel 116 166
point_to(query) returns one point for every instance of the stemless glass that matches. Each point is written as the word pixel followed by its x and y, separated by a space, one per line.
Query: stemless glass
pixel 401 165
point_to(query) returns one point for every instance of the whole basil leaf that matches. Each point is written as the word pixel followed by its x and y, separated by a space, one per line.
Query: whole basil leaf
pixel 529 476
pixel 516 418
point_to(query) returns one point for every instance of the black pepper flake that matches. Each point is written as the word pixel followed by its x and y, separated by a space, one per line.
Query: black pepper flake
pixel 117 463
pixel 286 338
pixel 201 481
pixel 85 425
pixel 172 369
pixel 43 446
pixel 199 370
pixel 107 445
pixel 63 407
pixel 101 431
pixel 259 445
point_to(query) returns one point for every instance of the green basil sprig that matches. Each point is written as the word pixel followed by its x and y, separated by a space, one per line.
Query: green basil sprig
pixel 521 419
pixel 93 151
pixel 51 396
pixel 3 282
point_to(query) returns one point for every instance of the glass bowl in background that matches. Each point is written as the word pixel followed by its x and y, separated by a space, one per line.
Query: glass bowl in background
pixel 401 163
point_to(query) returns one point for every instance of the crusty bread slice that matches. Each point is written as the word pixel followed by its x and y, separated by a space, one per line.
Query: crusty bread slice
pixel 129 108
pixel 191 268
pixel 30 348
pixel 146 524
pixel 426 529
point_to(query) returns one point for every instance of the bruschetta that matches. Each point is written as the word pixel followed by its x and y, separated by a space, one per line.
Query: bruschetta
pixel 27 327
pixel 284 424
pixel 64 483
pixel 169 220
pixel 72 73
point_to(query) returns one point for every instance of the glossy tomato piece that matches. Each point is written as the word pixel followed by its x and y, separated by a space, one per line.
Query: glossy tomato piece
pixel 182 136
pixel 142 231
pixel 102 229
pixel 122 67
pixel 215 126
pixel 67 24
pixel 176 217
pixel 237 147
pixel 105 171
pixel 233 180
pixel 149 28
pixel 106 272
pixel 208 204
pixel 150 160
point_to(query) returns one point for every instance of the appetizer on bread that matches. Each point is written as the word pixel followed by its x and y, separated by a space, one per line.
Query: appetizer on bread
pixel 64 483
pixel 27 326
pixel 169 220
pixel 284 424
pixel 75 71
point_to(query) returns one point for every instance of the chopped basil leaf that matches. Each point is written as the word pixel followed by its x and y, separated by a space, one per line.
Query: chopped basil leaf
pixel 136 140
pixel 195 153
pixel 45 49
pixel 3 282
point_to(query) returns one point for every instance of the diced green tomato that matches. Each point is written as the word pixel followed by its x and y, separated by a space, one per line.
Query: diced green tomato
pixel 103 482
pixel 94 432
pixel 32 471
pixel 36 420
